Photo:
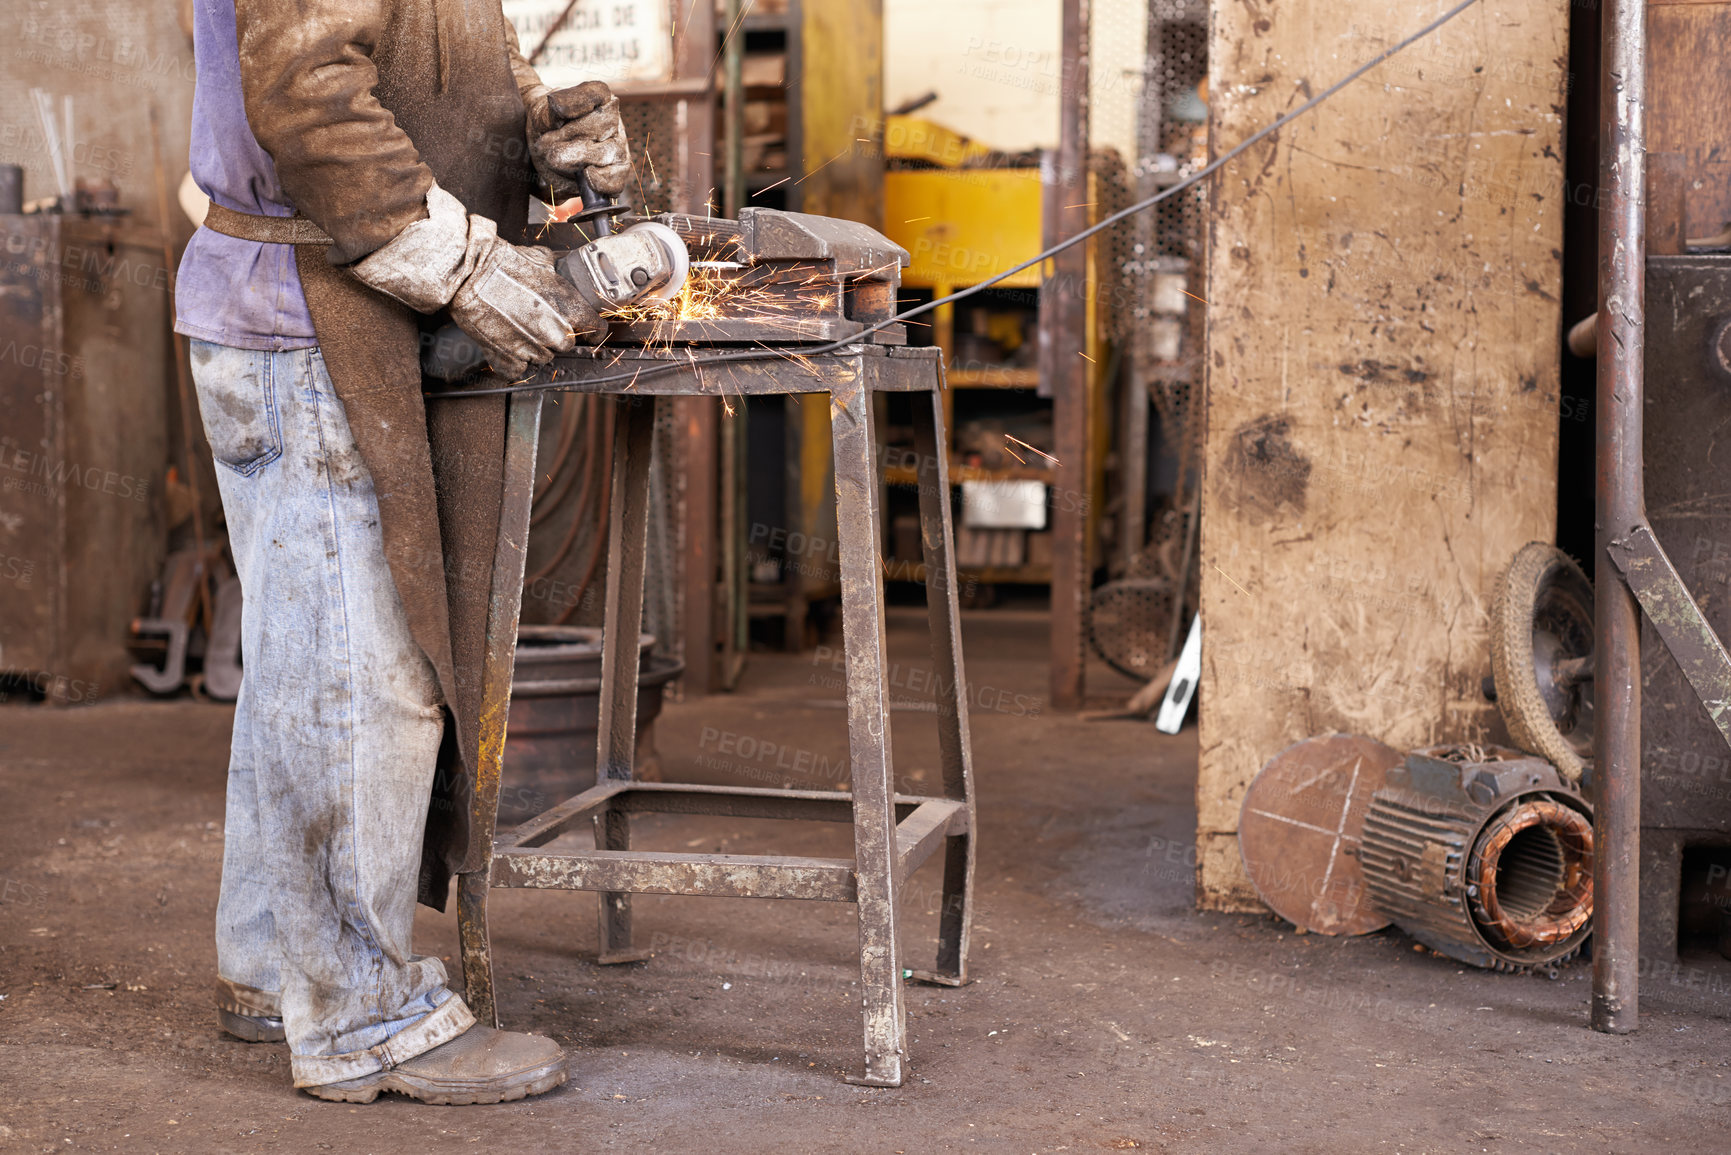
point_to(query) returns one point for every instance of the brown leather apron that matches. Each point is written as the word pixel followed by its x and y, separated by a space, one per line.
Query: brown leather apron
pixel 438 471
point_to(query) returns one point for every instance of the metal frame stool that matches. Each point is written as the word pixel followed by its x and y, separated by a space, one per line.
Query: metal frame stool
pixel 893 833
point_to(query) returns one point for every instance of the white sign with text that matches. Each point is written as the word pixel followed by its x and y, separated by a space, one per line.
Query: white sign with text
pixel 623 42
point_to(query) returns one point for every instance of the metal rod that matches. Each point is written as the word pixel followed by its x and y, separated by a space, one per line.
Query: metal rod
pixel 552 31
pixel 1181 584
pixel 733 110
pixel 1065 368
pixel 1620 508
pixel 183 390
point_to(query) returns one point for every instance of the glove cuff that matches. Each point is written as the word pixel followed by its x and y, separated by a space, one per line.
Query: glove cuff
pixel 424 265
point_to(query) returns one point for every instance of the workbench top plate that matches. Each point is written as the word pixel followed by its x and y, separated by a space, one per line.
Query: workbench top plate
pixel 880 368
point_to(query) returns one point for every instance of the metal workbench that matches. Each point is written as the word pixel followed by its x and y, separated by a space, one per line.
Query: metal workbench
pixel 893 833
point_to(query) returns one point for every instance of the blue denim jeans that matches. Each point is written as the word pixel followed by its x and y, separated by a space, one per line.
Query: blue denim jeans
pixel 336 731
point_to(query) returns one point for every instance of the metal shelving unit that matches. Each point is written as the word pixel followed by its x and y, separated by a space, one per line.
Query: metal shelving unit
pixel 964 225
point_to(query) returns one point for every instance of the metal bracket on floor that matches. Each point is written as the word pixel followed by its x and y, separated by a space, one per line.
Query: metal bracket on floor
pixel 1674 612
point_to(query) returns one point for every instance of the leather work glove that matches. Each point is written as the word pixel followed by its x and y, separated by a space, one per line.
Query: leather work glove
pixel 576 130
pixel 509 298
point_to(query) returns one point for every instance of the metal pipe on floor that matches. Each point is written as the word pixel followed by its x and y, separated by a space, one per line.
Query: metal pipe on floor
pixel 1620 508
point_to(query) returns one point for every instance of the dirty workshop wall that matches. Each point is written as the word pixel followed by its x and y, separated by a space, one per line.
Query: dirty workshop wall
pixel 86 369
pixel 997 67
pixel 1382 378
pixel 1691 105
pixel 116 59
pixel 994 64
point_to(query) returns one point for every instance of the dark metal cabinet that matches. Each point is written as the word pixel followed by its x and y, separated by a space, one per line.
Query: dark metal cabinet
pixel 84 333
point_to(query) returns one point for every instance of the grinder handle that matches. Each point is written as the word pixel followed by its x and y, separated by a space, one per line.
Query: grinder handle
pixel 596 207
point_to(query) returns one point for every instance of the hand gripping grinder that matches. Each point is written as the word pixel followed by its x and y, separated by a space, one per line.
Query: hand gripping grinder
pixel 642 262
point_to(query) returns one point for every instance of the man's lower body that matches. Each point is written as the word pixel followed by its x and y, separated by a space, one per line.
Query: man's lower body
pixel 336 737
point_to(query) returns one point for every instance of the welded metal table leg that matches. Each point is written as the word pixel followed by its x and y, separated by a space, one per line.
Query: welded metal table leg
pixel 622 623
pixel 475 941
pixel 868 726
pixel 937 535
pixel 505 604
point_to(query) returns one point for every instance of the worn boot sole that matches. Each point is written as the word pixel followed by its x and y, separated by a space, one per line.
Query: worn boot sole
pixel 445 1092
pixel 252 1028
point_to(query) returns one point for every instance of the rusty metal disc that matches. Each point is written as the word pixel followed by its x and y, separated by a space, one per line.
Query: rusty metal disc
pixel 1301 827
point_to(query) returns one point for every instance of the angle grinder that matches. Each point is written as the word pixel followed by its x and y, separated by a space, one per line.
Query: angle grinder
pixel 644 261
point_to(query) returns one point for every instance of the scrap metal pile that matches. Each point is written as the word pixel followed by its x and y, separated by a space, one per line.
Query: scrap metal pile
pixel 1481 853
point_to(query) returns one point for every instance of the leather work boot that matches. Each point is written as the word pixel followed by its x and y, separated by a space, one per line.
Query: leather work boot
pixel 251 1015
pixel 481 1065
pixel 252 1028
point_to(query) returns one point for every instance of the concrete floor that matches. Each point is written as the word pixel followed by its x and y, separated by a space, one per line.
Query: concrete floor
pixel 1107 1014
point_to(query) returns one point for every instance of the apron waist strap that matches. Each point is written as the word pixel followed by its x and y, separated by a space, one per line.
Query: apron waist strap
pixel 268 230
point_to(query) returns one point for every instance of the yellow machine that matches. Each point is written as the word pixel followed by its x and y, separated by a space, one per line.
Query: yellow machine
pixel 964 223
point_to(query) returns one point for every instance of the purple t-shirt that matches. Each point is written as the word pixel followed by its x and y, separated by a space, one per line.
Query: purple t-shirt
pixel 234 292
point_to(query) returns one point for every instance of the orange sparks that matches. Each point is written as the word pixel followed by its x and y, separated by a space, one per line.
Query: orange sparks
pixel 1031 449
pixel 824 165
pixel 1188 293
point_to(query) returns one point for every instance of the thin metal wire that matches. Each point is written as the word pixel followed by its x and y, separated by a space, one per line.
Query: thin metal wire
pixel 814 350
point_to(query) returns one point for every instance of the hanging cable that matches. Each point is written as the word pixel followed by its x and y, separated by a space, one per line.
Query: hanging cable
pixel 696 362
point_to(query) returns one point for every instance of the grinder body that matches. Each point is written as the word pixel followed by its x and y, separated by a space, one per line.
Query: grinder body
pixel 646 261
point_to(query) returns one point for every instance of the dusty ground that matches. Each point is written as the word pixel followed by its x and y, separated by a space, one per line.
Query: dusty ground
pixel 1107 1014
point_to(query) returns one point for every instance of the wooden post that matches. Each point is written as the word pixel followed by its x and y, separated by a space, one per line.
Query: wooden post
pixel 1382 379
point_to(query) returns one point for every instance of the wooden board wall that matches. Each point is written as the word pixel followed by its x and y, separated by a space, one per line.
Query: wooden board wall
pixel 1689 95
pixel 1382 378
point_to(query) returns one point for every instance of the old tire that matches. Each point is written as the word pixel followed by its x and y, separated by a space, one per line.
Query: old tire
pixel 1543 615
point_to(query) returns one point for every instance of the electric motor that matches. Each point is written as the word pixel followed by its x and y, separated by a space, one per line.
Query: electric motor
pixel 1484 854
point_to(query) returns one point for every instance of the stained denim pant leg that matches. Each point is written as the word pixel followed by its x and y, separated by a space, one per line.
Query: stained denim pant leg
pixel 336 732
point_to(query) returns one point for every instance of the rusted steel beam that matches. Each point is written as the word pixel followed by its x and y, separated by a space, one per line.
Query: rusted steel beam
pixel 922 832
pixel 883 369
pixel 830 808
pixel 955 745
pixel 550 824
pixel 663 872
pixel 475 945
pixel 1620 507
pixel 756 802
pixel 937 536
pixel 623 615
pixel 697 461
pixel 1678 619
pixel 859 526
pixel 505 604
pixel 504 608
pixel 1064 369
pixel 622 619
